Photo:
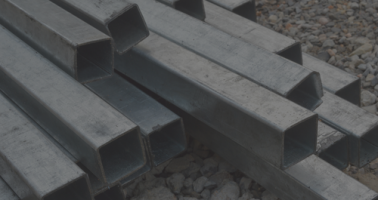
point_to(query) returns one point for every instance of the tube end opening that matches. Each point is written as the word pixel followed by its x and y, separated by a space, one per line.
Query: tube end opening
pixel 94 61
pixel 122 156
pixel 167 142
pixel 300 141
pixel 128 29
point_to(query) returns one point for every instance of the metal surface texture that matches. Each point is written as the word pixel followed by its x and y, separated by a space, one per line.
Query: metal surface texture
pixel 312 178
pixel 224 100
pixel 253 33
pixel 360 125
pixel 114 193
pixel 100 137
pixel 193 8
pixel 6 193
pixel 334 80
pixel 162 128
pixel 77 48
pixel 271 71
pixel 122 21
pixel 32 166
pixel 332 146
pixel 146 168
pixel 244 8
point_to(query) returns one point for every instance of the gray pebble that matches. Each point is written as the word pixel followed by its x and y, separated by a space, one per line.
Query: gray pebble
pixel 199 184
pixel 176 182
pixel 229 191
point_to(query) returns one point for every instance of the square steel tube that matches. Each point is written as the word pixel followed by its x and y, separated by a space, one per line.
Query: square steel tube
pixel 271 71
pixel 334 80
pixel 193 8
pixel 269 125
pixel 114 193
pixel 6 193
pixel 100 137
pixel 244 8
pixel 333 146
pixel 146 168
pixel 122 21
pixel 33 166
pixel 163 130
pixel 312 178
pixel 360 126
pixel 76 47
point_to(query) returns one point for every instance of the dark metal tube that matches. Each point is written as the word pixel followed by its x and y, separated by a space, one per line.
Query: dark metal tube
pixel 100 137
pixel 224 100
pixel 122 21
pixel 193 8
pixel 32 166
pixel 77 48
pixel 271 71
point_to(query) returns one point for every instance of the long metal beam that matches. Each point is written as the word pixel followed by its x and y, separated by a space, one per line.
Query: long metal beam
pixel 193 8
pixel 163 130
pixel 360 125
pixel 244 8
pixel 333 146
pixel 6 193
pixel 32 166
pixel 334 80
pixel 77 48
pixel 224 100
pixel 100 137
pixel 122 21
pixel 252 32
pixel 312 178
pixel 271 71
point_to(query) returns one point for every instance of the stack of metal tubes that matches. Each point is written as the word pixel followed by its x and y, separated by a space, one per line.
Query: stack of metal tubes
pixel 95 93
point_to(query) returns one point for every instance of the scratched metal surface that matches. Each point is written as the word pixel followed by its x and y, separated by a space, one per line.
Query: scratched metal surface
pixel 360 125
pixel 119 19
pixel 224 100
pixel 33 166
pixel 79 120
pixel 271 71
pixel 60 36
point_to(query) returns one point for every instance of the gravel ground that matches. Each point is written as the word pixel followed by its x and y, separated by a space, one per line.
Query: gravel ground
pixel 197 174
pixel 342 33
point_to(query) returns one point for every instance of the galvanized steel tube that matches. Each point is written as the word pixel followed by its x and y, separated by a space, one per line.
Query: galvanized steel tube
pixel 224 100
pixel 114 193
pixel 193 8
pixel 244 8
pixel 32 166
pixel 360 125
pixel 333 146
pixel 100 137
pixel 312 178
pixel 334 80
pixel 77 48
pixel 6 193
pixel 122 21
pixel 163 130
pixel 271 71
